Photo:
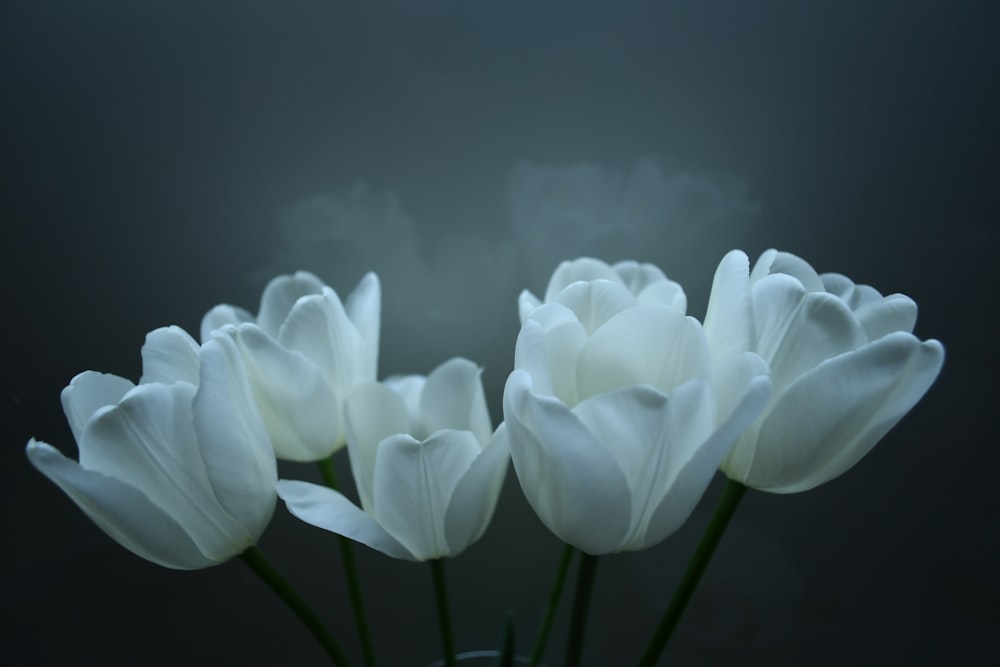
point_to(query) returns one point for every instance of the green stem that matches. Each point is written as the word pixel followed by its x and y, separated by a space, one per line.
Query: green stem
pixel 263 569
pixel 581 605
pixel 350 572
pixel 550 608
pixel 732 493
pixel 444 616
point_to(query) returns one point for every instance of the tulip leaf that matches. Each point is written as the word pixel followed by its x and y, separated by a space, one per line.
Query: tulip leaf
pixel 505 656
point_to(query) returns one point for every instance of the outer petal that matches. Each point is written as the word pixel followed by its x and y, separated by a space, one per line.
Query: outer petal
pixel 120 510
pixel 221 316
pixel 796 330
pixel 654 345
pixel 329 510
pixel 594 303
pixel 729 325
pixel 302 412
pixel 453 398
pixel 281 294
pixel 474 499
pixel 147 441
pixel 233 440
pixel 373 413
pixel 837 413
pixel 571 481
pixel 895 312
pixel 364 308
pixel 547 347
pixel 772 262
pixel 169 355
pixel 318 327
pixel 526 302
pixel 414 482
pixel 87 393
pixel 410 388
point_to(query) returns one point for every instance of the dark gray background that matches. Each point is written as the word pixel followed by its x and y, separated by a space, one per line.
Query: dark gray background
pixel 148 151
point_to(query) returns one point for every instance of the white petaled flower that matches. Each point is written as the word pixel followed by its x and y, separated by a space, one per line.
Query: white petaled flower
pixel 844 364
pixel 427 466
pixel 617 419
pixel 646 282
pixel 178 469
pixel 304 353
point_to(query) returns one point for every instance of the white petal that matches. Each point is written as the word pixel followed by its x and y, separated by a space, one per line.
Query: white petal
pixel 796 330
pixel 373 412
pixel 120 510
pixel 453 398
pixel 583 269
pixel 414 482
pixel 148 442
pixel 650 286
pixel 526 302
pixel 364 308
pixel 280 295
pixel 234 443
pixel 654 345
pixel 828 420
pixel 221 316
pixel 729 325
pixel 302 412
pixel 855 296
pixel 547 348
pixel 87 393
pixel 788 264
pixel 881 317
pixel 410 388
pixel 318 327
pixel 571 481
pixel 169 354
pixel 329 510
pixel 594 303
pixel 474 499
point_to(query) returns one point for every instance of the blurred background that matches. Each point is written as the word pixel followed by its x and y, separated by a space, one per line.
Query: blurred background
pixel 159 158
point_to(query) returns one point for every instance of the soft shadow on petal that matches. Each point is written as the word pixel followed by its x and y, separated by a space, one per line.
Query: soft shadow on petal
pixel 453 398
pixel 414 482
pixel 148 441
pixel 364 307
pixel 475 498
pixel 169 355
pixel 302 412
pixel 373 412
pixel 729 326
pixel 329 510
pixel 87 393
pixel 281 294
pixel 654 345
pixel 122 511
pixel 896 312
pixel 594 303
pixel 234 443
pixel 796 330
pixel 547 347
pixel 571 481
pixel 221 316
pixel 833 416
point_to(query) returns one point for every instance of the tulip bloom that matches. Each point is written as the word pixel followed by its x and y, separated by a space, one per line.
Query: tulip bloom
pixel 303 353
pixel 427 470
pixel 844 365
pixel 617 419
pixel 177 469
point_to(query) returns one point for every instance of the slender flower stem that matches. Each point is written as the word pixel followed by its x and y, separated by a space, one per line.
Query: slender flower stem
pixel 550 608
pixel 581 605
pixel 351 573
pixel 732 493
pixel 263 569
pixel 444 616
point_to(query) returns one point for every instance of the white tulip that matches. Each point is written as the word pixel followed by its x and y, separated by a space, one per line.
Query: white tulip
pixel 616 417
pixel 179 473
pixel 844 365
pixel 427 469
pixel 304 352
